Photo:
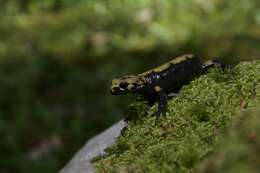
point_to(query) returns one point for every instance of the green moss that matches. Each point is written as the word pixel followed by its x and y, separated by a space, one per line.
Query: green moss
pixel 239 149
pixel 190 131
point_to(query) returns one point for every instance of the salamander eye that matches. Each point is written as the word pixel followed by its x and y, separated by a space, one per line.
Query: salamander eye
pixel 123 85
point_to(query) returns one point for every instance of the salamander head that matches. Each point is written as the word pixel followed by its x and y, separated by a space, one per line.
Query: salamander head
pixel 126 84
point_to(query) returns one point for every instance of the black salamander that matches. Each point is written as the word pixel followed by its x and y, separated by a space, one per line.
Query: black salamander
pixel 157 84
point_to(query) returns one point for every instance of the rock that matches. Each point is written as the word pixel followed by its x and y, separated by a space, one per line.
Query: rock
pixel 81 162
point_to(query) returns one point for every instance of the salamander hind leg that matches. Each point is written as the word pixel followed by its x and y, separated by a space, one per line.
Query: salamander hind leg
pixel 213 63
pixel 162 101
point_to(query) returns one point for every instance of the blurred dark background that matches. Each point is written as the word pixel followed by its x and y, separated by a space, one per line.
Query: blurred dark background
pixel 57 58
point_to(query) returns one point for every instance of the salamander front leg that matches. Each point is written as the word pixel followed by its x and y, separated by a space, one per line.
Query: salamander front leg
pixel 162 102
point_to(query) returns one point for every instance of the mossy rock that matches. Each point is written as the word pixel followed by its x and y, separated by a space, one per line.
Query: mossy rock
pixel 239 149
pixel 194 124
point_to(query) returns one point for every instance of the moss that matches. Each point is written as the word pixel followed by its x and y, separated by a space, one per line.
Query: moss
pixel 241 144
pixel 192 127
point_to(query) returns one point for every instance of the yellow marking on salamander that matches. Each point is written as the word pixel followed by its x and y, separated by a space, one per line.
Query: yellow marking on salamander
pixel 209 62
pixel 157 88
pixel 168 64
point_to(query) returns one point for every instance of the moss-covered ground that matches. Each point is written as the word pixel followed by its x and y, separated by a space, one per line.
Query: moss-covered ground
pixel 239 149
pixel 196 129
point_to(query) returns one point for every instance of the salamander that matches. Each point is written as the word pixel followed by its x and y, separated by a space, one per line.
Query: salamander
pixel 158 83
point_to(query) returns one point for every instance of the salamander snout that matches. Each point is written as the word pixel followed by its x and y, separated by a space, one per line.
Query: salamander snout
pixel 126 84
pixel 118 87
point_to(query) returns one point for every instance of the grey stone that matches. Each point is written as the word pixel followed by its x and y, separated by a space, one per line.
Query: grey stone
pixel 81 162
